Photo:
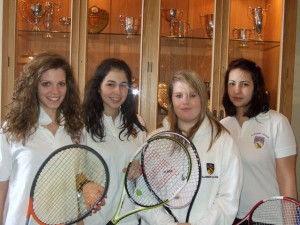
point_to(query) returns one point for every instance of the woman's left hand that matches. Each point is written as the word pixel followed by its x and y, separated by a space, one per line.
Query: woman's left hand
pixel 91 193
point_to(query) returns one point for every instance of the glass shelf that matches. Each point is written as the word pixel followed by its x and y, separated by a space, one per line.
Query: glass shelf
pixel 254 44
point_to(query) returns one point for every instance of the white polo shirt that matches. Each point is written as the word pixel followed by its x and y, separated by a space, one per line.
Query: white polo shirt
pixel 19 164
pixel 261 140
pixel 117 154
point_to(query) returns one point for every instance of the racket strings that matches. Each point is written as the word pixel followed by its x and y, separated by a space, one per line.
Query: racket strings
pixel 276 212
pixel 56 198
pixel 166 169
pixel 185 196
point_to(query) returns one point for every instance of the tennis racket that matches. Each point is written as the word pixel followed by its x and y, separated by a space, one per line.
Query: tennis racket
pixel 278 210
pixel 187 195
pixel 59 193
pixel 155 175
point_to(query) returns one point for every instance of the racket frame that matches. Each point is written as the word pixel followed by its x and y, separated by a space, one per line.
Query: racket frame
pixel 30 210
pixel 248 217
pixel 115 219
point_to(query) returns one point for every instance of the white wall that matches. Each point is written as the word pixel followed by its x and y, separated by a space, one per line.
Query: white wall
pixel 296 97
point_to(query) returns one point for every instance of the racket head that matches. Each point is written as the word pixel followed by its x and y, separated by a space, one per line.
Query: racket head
pixel 165 168
pixel 188 194
pixel 275 210
pixel 54 195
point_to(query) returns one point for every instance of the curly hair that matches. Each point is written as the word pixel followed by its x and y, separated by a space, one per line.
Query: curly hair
pixel 194 81
pixel 92 107
pixel 260 101
pixel 21 121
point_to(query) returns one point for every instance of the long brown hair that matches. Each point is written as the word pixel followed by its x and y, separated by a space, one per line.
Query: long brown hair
pixel 194 81
pixel 21 121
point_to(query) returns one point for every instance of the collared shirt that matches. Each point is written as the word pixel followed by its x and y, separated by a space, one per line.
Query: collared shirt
pixel 19 164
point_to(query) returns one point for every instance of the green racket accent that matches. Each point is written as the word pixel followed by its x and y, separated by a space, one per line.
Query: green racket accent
pixel 138 192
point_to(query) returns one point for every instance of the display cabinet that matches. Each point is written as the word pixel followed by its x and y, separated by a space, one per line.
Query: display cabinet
pixel 156 38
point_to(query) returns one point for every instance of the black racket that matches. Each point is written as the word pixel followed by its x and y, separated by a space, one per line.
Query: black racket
pixel 278 210
pixel 58 193
pixel 187 195
pixel 155 175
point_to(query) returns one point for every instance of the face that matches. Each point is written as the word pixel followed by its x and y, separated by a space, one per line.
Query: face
pixel 114 91
pixel 240 88
pixel 52 89
pixel 186 103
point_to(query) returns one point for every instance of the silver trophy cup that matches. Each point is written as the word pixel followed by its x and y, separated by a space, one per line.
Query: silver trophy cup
pixel 172 16
pixel 257 15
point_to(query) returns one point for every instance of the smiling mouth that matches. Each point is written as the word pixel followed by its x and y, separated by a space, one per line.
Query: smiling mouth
pixel 53 98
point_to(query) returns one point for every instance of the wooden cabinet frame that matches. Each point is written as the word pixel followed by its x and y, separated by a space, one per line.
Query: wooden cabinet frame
pixel 149 60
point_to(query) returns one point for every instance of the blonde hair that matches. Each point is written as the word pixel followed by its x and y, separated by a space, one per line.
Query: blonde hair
pixel 194 81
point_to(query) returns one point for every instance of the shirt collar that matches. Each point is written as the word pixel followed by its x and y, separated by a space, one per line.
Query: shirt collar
pixel 44 118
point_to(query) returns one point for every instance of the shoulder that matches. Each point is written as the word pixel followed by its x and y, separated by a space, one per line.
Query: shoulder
pixel 155 132
pixel 274 115
pixel 227 120
pixel 140 119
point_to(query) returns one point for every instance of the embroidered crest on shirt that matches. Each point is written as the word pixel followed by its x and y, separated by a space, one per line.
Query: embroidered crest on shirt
pixel 259 141
pixel 210 167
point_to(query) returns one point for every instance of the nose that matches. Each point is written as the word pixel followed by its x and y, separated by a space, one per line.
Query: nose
pixel 236 89
pixel 117 89
pixel 55 89
pixel 185 99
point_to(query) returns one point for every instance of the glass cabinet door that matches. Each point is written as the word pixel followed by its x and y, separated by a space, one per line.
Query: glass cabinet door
pixel 114 30
pixel 186 43
pixel 255 33
pixel 41 26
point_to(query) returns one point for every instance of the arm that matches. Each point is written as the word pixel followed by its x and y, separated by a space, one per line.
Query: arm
pixel 286 176
pixel 3 194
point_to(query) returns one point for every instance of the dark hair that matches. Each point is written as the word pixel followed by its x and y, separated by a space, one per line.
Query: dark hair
pixel 259 102
pixel 22 118
pixel 92 107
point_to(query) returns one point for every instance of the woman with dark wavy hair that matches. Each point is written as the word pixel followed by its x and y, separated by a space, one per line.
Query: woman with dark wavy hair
pixel 264 136
pixel 113 128
pixel 44 115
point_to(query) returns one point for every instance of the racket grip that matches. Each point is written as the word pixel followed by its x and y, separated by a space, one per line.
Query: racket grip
pixel 110 223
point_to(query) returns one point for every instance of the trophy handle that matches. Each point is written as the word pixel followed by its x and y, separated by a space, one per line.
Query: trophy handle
pixel 122 20
pixel 22 10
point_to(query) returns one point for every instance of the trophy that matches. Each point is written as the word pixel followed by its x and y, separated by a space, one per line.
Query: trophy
pixel 257 15
pixel 172 16
pixel 209 24
pixel 38 12
pixel 258 18
pixel 66 22
pixel 131 25
pixel 50 9
pixel 32 15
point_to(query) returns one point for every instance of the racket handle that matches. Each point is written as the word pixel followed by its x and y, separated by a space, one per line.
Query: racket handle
pixel 110 223
pixel 171 214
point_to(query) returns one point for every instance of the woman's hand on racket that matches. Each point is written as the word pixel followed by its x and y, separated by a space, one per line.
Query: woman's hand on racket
pixel 91 192
pixel 135 170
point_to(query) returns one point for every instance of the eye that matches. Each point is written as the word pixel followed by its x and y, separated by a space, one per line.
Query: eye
pixel 193 95
pixel 46 84
pixel 178 95
pixel 111 84
pixel 124 85
pixel 231 83
pixel 244 84
pixel 62 84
